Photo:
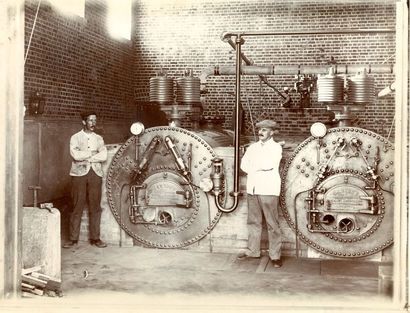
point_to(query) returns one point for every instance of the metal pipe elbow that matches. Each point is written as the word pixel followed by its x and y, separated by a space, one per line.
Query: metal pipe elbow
pixel 226 36
pixel 227 210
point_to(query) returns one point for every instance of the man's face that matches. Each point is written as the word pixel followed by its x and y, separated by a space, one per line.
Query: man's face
pixel 265 134
pixel 90 123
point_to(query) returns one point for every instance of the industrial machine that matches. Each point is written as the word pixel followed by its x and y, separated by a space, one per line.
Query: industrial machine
pixel 337 188
pixel 167 186
pixel 157 181
pixel 337 191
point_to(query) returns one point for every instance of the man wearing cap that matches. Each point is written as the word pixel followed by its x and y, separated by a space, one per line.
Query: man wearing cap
pixel 88 151
pixel 261 163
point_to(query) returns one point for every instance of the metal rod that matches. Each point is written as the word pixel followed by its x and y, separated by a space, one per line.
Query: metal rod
pixel 243 56
pixel 292 69
pixel 239 42
pixel 32 32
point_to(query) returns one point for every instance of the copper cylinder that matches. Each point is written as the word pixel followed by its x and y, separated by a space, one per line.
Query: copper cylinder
pixel 361 89
pixel 330 88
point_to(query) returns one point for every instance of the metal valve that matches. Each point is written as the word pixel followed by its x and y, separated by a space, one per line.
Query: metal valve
pixel 187 197
pixel 178 159
pixel 371 172
pixel 372 202
pixel 340 142
pixel 355 142
pixel 217 175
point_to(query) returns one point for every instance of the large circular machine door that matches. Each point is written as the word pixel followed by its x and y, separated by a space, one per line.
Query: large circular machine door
pixel 152 187
pixel 337 192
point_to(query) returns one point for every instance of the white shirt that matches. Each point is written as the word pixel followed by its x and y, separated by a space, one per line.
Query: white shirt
pixel 88 151
pixel 261 162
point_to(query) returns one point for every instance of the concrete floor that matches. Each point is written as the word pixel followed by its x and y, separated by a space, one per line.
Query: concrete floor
pixel 136 279
pixel 156 278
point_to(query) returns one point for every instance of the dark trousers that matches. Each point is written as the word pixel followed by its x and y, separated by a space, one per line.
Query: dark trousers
pixel 85 188
pixel 268 206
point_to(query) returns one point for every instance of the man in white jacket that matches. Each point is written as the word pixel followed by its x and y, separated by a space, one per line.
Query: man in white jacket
pixel 88 151
pixel 261 162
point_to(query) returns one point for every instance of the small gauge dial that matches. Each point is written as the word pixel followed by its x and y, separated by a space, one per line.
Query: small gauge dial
pixel 318 130
pixel 137 128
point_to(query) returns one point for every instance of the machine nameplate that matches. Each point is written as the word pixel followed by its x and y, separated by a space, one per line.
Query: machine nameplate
pixel 164 193
pixel 346 198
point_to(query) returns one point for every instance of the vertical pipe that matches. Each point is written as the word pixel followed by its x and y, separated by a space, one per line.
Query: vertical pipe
pixel 235 193
pixel 238 43
pixel 39 153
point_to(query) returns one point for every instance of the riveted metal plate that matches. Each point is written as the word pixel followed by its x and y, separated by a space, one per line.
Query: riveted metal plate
pixel 346 190
pixel 163 188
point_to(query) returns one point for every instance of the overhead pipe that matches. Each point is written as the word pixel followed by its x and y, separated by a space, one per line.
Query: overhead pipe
pixel 231 70
pixel 250 62
pixel 217 70
pixel 238 72
pixel 227 35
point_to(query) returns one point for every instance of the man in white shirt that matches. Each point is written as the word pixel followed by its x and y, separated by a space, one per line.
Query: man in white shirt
pixel 88 152
pixel 261 162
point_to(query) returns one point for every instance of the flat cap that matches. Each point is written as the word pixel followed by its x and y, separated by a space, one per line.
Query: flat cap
pixel 86 114
pixel 267 124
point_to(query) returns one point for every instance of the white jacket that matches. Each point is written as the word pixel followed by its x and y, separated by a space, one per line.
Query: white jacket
pixel 88 151
pixel 261 163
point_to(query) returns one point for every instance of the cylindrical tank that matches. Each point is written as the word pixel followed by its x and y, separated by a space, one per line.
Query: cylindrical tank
pixel 153 186
pixel 337 189
pixel 361 89
pixel 161 90
pixel 338 192
pixel 330 88
pixel 188 90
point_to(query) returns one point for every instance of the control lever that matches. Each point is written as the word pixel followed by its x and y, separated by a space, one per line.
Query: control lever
pixel 372 201
pixel 177 156
pixel 134 207
pixel 148 154
pixel 318 146
pixel 370 170
pixel 187 197
pixel 340 144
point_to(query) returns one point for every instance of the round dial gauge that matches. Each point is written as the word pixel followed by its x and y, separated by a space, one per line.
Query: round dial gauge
pixel 318 130
pixel 137 128
pixel 206 184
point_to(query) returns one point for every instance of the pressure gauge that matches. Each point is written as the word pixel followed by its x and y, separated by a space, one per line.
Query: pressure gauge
pixel 137 128
pixel 318 130
pixel 206 184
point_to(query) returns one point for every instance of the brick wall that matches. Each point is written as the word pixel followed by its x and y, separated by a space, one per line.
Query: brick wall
pixel 76 65
pixel 175 35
